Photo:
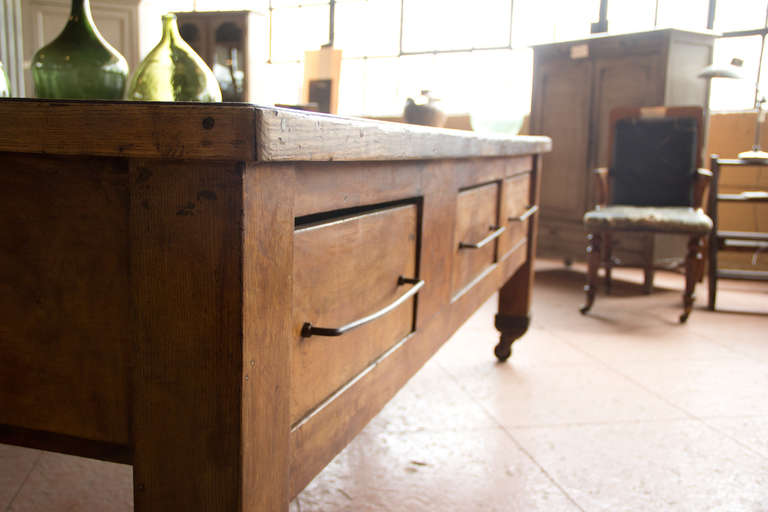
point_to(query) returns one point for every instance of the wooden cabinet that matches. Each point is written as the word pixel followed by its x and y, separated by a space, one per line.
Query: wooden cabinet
pixel 162 263
pixel 233 44
pixel 575 86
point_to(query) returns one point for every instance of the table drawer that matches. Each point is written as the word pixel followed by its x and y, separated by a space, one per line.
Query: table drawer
pixel 476 233
pixel 347 269
pixel 517 211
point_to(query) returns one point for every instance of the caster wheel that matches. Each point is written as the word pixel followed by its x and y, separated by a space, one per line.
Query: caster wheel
pixel 503 350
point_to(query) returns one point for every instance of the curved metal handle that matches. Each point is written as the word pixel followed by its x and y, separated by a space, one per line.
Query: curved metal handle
pixel 308 329
pixel 496 233
pixel 522 218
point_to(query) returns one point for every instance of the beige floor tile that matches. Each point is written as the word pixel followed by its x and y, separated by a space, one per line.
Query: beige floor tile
pixel 657 343
pixel 16 463
pixel 62 483
pixel 518 395
pixel 752 432
pixel 728 387
pixel 432 400
pixel 473 345
pixel 675 466
pixel 742 333
pixel 742 297
pixel 432 471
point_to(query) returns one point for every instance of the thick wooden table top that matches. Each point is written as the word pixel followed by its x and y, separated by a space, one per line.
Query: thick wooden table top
pixel 237 131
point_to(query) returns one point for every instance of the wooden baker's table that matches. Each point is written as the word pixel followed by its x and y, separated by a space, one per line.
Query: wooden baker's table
pixel 224 295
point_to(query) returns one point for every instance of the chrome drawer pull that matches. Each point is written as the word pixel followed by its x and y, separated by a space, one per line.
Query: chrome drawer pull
pixel 308 329
pixel 530 211
pixel 497 231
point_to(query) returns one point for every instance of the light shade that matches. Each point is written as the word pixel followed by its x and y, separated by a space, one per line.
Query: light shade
pixel 732 70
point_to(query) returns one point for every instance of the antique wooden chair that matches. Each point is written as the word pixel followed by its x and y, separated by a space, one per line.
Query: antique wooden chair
pixel 654 185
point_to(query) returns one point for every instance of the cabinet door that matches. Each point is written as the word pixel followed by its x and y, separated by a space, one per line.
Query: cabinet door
pixel 630 81
pixel 561 106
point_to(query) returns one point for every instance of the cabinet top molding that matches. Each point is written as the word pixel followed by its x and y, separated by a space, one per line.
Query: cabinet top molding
pixel 238 131
pixel 608 36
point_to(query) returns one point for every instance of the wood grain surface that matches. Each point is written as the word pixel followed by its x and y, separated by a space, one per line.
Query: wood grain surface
pixel 339 277
pixel 234 131
pixel 186 257
pixel 289 135
pixel 477 215
pixel 135 129
pixel 267 291
pixel 65 325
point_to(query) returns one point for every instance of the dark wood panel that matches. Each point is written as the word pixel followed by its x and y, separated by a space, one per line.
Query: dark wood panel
pixel 477 216
pixel 61 443
pixel 169 130
pixel 516 200
pixel 186 265
pixel 516 294
pixel 267 304
pixel 344 270
pixel 323 187
pixel 65 325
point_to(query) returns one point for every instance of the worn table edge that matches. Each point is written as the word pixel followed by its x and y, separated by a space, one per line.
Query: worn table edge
pixel 234 131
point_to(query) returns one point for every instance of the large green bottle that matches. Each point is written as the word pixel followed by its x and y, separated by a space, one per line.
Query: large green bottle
pixel 173 71
pixel 5 84
pixel 79 63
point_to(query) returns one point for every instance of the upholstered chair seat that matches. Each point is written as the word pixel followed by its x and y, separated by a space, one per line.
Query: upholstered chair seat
pixel 660 219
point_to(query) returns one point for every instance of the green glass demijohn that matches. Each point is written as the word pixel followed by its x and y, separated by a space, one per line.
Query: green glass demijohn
pixel 5 84
pixel 79 63
pixel 172 71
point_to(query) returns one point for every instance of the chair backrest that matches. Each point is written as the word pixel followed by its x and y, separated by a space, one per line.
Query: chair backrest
pixel 655 154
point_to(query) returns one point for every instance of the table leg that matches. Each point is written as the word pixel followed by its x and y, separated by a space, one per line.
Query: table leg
pixel 210 254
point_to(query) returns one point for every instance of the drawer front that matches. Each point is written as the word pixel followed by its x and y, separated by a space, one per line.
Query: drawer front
pixel 476 220
pixel 515 211
pixel 344 270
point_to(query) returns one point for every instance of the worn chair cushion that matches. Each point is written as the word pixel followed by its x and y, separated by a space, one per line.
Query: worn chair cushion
pixel 669 219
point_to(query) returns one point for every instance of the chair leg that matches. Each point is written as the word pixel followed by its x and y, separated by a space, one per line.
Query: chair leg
pixel 712 274
pixel 648 284
pixel 593 262
pixel 694 266
pixel 608 261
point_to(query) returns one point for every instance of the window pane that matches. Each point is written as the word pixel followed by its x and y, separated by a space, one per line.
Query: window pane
pixel 454 24
pixel 729 94
pixel 296 3
pixel 367 27
pixel 283 83
pixel 493 86
pixel 631 15
pixel 545 21
pixel 296 30
pixel 733 15
pixel 371 87
pixel 232 5
pixel 686 14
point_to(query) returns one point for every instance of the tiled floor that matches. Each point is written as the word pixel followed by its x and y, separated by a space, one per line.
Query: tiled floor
pixel 623 409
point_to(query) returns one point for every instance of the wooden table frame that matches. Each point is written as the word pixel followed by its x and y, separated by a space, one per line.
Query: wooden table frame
pixel 147 262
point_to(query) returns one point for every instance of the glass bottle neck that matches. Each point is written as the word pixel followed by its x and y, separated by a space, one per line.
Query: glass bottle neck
pixel 170 28
pixel 81 10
